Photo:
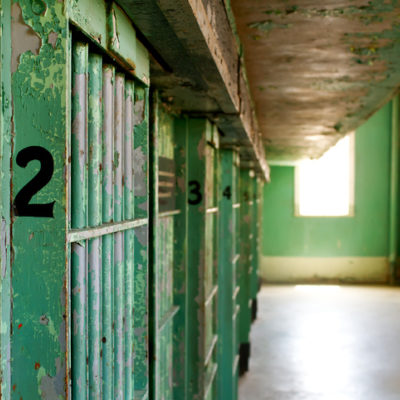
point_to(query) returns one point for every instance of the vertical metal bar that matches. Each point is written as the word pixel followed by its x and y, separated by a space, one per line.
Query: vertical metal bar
pixel 94 219
pixel 118 239
pixel 128 214
pixel 78 218
pixel 107 245
pixel 140 163
pixel 155 295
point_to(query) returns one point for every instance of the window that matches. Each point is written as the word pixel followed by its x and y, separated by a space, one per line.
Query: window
pixel 325 187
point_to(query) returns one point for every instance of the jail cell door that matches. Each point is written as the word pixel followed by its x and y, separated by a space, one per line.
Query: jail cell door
pixel 227 283
pixel 203 176
pixel 108 229
pixel 255 243
pixel 245 269
pixel 168 242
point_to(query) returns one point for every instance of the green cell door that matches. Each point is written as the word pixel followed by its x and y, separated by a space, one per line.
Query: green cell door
pixel 203 211
pixel 245 269
pixel 168 272
pixel 227 269
pixel 255 243
pixel 108 212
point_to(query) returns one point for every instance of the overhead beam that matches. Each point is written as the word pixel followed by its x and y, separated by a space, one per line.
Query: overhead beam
pixel 197 67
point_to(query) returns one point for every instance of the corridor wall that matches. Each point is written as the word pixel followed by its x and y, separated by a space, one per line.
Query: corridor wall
pixel 350 249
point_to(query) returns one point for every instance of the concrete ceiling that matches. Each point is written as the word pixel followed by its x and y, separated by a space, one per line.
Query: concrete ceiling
pixel 317 69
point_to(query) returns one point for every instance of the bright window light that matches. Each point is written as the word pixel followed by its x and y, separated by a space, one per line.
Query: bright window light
pixel 325 187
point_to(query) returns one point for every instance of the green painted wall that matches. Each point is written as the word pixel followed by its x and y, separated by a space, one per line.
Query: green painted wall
pixel 365 234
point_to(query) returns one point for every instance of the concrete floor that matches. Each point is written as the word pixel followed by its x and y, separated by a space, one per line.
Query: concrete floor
pixel 325 343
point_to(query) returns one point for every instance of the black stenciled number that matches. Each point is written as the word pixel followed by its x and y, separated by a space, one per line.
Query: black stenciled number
pixel 227 192
pixel 246 196
pixel 22 207
pixel 195 191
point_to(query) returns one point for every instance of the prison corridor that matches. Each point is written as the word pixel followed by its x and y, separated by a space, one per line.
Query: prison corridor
pixel 160 161
pixel 324 342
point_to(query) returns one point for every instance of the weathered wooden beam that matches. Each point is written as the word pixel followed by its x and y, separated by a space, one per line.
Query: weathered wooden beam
pixel 197 67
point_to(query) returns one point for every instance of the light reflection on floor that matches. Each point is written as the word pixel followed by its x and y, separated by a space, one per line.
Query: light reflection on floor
pixel 325 343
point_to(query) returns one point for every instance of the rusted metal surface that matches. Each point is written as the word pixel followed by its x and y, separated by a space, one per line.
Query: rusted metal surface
pixel 340 58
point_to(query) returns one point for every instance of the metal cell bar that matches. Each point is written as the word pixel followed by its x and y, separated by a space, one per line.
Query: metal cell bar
pixel 78 136
pixel 107 244
pixel 212 294
pixel 140 161
pixel 118 239
pixel 211 349
pixel 167 318
pixel 211 381
pixel 77 235
pixel 169 213
pixel 129 239
pixel 94 219
pixel 78 219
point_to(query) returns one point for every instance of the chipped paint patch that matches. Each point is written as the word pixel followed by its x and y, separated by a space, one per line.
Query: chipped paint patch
pixel 268 25
pixel 24 37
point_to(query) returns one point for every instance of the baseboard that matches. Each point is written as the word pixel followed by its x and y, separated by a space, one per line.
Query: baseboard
pixel 324 269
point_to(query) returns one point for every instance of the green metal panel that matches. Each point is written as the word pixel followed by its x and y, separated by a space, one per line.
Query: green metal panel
pixel 39 67
pixel 245 266
pixel 203 162
pixel 228 259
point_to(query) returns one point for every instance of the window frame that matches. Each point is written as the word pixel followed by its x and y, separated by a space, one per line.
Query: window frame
pixel 352 183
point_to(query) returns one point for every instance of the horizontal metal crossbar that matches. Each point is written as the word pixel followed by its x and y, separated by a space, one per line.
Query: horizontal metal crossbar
pixel 170 314
pixel 211 349
pixel 77 235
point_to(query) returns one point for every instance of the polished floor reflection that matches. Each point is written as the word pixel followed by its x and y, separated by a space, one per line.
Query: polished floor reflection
pixel 325 343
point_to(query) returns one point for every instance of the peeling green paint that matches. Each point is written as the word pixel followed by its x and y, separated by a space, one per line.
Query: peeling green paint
pixel 366 14
pixel 268 25
pixel 39 85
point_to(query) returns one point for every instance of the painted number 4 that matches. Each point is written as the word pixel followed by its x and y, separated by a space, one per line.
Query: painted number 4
pixel 227 192
pixel 22 206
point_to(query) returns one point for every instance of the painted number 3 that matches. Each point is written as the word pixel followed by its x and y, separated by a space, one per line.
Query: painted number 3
pixel 22 207
pixel 195 193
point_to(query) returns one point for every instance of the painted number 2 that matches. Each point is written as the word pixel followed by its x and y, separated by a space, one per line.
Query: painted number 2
pixel 22 207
